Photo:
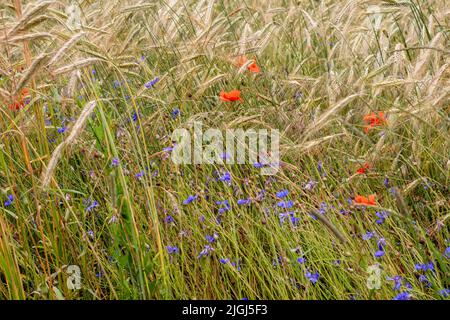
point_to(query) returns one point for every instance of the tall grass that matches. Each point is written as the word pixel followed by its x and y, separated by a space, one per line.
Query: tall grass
pixel 85 179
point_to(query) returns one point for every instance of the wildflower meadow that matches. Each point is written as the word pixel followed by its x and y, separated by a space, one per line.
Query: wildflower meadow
pixel 333 185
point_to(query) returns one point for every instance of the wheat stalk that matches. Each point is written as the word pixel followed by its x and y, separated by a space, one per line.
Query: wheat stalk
pixel 74 133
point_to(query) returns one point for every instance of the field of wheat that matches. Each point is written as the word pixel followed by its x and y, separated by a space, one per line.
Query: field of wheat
pixel 91 92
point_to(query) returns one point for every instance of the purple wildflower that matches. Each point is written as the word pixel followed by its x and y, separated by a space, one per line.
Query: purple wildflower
pixel 212 238
pixel 368 235
pixel 283 193
pixel 381 217
pixel 151 83
pixel 190 199
pixel 139 175
pixel 168 219
pixel 447 253
pixel 172 249
pixel 397 282
pixel 285 204
pixel 444 293
pixel 175 113
pixel 402 296
pixel 62 129
pixel 244 201
pixel 9 201
pixel 91 205
pixel 301 260
pixel 114 162
pixel 206 251
pixel 226 177
pixel 313 277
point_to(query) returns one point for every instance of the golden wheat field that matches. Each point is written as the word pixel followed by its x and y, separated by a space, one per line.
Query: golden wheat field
pixel 337 188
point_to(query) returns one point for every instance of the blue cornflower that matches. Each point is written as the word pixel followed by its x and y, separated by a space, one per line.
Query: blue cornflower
pixel 190 199
pixel 386 182
pixel 444 292
pixel 206 251
pixel 381 243
pixel 175 113
pixel 225 206
pixel 9 201
pixel 368 235
pixel 172 249
pixel 135 116
pixel 313 277
pixel 301 260
pixel 168 149
pixel 283 193
pixel 323 208
pixel 151 83
pixel 285 215
pixel 139 175
pixel 402 296
pixel 226 177
pixel 225 156
pixel 447 253
pixel 294 220
pixel 91 205
pixel 319 166
pixel 114 162
pixel 285 204
pixel 168 219
pixel 224 261
pixel 423 278
pixel 244 201
pixel 212 238
pixel 397 282
pixel 381 217
pixel 62 129
pixel 424 266
pixel 420 267
pixel 379 253
pixel 258 165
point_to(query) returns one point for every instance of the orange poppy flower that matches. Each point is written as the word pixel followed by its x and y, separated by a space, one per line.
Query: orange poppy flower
pixel 361 200
pixel 374 120
pixel 233 95
pixel 253 67
pixel 19 102
pixel 363 169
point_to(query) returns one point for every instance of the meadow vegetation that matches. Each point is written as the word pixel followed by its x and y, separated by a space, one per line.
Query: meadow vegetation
pixel 91 91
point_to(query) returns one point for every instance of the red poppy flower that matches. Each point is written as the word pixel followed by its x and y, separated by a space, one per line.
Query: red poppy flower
pixel 361 200
pixel 374 120
pixel 253 67
pixel 233 95
pixel 19 102
pixel 363 169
